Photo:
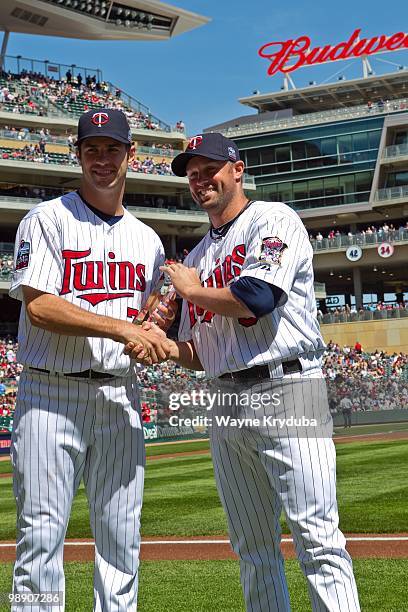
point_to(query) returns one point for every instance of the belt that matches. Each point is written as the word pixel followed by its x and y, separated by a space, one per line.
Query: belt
pixel 262 371
pixel 88 374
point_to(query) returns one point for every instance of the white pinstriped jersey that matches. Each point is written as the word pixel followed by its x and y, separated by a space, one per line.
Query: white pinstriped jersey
pixel 63 248
pixel 267 241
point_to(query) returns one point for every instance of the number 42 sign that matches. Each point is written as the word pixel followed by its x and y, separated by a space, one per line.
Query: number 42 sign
pixel 354 253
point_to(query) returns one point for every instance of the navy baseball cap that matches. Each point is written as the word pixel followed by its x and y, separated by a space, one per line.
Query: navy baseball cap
pixel 212 145
pixel 108 122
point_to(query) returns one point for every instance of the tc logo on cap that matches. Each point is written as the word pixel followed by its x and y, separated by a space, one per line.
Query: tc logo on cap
pixel 195 142
pixel 232 153
pixel 100 119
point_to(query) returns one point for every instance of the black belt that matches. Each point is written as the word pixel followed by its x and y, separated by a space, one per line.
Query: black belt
pixel 89 374
pixel 262 371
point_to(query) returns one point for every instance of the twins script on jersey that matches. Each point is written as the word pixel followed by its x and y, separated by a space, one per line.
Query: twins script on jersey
pixel 266 241
pixel 106 269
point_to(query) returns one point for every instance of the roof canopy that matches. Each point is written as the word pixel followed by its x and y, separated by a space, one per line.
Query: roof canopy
pixel 98 19
pixel 342 93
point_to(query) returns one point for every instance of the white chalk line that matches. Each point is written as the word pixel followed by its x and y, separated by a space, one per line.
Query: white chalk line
pixel 214 542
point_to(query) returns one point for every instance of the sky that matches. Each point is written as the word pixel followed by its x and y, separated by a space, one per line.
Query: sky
pixel 199 76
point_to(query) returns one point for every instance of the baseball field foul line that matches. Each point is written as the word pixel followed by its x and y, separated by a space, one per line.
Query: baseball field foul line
pixel 194 541
pixel 367 546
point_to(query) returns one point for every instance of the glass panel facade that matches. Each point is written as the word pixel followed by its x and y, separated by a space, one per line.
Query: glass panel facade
pixel 323 165
pixel 397 179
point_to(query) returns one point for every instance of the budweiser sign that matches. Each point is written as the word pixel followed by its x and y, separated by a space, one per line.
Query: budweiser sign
pixel 293 54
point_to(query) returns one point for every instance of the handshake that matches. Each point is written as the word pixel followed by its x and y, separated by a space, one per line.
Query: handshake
pixel 150 345
pixel 147 343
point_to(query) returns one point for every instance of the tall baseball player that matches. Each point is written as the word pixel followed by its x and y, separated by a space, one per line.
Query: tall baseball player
pixel 84 267
pixel 249 320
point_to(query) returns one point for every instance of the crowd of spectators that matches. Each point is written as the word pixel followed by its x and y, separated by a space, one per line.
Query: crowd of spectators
pixel 369 234
pixel 9 376
pixel 372 381
pixel 71 93
pixel 36 153
pixel 6 266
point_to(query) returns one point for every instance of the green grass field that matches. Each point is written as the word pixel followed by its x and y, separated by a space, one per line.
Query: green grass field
pixel 181 499
pixel 213 586
pixel 372 493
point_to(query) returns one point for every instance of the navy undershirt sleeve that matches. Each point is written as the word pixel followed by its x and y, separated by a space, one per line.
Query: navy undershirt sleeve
pixel 258 296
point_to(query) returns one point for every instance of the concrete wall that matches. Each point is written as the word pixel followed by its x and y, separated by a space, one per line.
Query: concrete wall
pixel 372 417
pixel 390 335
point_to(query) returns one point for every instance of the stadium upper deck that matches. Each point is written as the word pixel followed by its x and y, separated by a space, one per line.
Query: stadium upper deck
pixel 338 154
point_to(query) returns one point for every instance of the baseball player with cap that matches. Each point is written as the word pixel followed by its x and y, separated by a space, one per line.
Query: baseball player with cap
pixel 249 320
pixel 84 268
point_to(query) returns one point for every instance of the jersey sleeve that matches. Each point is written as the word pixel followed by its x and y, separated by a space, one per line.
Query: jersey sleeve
pixel 37 258
pixel 276 249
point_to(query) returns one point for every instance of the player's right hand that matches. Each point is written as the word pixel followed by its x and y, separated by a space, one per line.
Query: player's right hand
pixel 147 344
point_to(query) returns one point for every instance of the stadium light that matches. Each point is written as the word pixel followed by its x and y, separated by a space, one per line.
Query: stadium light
pixel 128 23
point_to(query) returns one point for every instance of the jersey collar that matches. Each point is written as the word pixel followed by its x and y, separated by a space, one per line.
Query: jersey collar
pixel 220 232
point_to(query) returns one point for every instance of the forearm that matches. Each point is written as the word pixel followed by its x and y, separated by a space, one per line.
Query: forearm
pixel 219 301
pixel 185 355
pixel 59 316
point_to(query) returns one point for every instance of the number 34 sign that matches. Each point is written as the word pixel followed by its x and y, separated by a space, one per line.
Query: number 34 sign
pixel 385 249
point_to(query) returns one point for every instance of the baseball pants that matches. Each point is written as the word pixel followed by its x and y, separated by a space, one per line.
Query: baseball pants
pixel 261 470
pixel 66 429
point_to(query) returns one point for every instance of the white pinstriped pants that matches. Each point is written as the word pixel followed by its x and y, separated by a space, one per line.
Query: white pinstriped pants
pixel 258 475
pixel 67 429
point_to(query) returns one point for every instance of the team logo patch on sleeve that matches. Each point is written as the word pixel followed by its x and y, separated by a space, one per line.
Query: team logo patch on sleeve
pixel 23 255
pixel 272 249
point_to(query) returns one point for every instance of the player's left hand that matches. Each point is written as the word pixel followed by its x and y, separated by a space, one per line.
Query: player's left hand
pixel 165 313
pixel 184 279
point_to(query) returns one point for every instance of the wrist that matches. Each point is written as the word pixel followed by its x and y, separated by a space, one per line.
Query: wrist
pixel 116 330
pixel 192 293
pixel 174 352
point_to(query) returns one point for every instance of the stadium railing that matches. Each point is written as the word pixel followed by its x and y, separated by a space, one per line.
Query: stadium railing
pixel 395 151
pixel 367 315
pixel 33 137
pixel 338 114
pixel 392 193
pixel 343 241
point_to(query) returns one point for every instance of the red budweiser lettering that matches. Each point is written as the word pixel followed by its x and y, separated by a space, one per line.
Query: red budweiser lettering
pixel 294 53
pixel 220 277
pixel 91 275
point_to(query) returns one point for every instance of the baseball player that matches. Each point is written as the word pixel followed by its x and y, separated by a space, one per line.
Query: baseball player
pixel 249 320
pixel 84 268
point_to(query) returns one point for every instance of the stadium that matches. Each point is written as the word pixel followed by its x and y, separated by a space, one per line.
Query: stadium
pixel 336 153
